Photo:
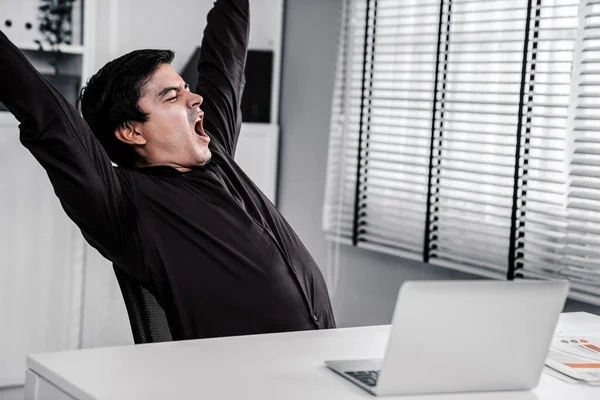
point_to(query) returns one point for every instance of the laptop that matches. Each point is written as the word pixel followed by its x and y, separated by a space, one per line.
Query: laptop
pixel 463 336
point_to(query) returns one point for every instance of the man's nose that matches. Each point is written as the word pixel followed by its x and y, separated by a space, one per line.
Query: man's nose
pixel 194 100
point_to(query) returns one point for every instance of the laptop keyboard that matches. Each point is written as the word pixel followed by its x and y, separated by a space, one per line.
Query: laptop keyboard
pixel 369 378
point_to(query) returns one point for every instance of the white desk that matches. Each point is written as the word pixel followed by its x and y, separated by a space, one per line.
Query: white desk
pixel 280 366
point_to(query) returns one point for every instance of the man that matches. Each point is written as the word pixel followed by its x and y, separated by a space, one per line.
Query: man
pixel 178 215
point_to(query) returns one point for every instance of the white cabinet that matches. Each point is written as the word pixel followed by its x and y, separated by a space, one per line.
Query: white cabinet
pixel 41 269
pixel 20 21
pixel 42 265
pixel 24 20
pixel 257 154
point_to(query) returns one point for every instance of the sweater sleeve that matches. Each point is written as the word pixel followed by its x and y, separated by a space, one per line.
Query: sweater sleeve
pixel 79 169
pixel 221 70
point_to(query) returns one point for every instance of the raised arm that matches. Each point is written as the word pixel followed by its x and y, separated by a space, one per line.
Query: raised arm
pixel 221 69
pixel 53 131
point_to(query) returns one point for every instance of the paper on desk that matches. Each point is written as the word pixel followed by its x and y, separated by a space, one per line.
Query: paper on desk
pixel 577 324
pixel 577 357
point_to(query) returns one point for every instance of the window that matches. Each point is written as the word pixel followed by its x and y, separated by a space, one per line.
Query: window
pixel 464 134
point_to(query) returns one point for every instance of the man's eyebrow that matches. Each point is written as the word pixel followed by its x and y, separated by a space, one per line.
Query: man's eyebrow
pixel 169 88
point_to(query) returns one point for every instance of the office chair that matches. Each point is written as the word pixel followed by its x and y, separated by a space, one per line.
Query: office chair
pixel 148 321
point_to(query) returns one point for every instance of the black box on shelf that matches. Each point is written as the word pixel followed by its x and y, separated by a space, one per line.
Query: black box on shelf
pixel 256 99
pixel 67 85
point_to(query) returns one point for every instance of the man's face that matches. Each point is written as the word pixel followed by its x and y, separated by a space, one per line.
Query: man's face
pixel 174 133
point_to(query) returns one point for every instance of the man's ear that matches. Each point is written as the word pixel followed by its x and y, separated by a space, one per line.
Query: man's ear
pixel 131 134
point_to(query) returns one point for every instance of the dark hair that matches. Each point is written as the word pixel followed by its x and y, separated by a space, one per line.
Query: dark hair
pixel 110 99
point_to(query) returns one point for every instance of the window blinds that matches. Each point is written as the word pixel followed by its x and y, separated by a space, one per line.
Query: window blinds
pixel 582 253
pixel 565 242
pixel 338 213
pixel 396 126
pixel 464 134
pixel 389 114
pixel 474 135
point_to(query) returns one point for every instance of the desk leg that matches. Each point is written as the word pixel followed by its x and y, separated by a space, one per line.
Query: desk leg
pixel 37 388
pixel 31 385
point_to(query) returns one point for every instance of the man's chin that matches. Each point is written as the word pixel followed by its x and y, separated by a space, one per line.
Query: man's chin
pixel 207 156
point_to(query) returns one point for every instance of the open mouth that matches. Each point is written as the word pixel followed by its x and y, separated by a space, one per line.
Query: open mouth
pixel 199 126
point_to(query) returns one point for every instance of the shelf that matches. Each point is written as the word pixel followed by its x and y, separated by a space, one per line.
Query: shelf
pixel 67 49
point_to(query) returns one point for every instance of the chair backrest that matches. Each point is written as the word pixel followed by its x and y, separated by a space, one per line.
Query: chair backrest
pixel 148 321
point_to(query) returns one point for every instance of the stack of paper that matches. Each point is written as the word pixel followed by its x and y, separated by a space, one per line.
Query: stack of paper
pixel 577 357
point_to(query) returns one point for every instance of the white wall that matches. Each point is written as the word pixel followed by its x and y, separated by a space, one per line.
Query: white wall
pixel 126 25
pixel 368 282
pixel 178 25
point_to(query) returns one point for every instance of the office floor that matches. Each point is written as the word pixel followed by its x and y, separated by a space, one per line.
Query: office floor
pixel 15 393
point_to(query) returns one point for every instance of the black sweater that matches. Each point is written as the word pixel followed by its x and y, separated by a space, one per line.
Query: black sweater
pixel 215 252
